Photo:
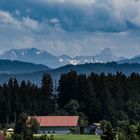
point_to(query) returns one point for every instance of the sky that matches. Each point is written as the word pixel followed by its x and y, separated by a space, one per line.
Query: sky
pixel 71 27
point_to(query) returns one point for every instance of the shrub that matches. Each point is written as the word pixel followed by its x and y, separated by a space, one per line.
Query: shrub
pixel 44 137
pixel 52 137
pixel 17 137
pixel 36 138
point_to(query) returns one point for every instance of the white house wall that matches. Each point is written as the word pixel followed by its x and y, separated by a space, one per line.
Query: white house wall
pixel 60 130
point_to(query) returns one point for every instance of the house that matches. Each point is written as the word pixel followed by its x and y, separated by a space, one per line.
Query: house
pixel 57 124
pixel 10 130
pixel 2 137
pixel 98 130
pixel 95 128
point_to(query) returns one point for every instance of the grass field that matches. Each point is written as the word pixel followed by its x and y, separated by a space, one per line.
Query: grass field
pixel 76 137
pixel 73 137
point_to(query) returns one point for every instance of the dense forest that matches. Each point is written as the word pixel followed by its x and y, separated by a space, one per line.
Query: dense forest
pixel 93 97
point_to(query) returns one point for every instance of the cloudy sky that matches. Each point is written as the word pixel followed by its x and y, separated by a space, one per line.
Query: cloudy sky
pixel 72 27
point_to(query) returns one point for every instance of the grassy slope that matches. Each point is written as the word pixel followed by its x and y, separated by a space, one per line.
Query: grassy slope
pixel 76 137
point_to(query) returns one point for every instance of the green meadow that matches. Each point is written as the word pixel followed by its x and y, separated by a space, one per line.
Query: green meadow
pixel 65 137
pixel 73 137
pixel 76 137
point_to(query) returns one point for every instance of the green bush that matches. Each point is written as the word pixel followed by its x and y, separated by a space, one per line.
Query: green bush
pixel 36 138
pixel 52 137
pixel 17 137
pixel 44 137
pixel 9 138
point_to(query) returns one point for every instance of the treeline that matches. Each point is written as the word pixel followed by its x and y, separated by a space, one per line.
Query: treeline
pixel 94 97
pixel 110 97
pixel 25 97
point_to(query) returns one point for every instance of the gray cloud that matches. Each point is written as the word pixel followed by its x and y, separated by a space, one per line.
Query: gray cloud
pixel 81 15
pixel 99 15
pixel 81 27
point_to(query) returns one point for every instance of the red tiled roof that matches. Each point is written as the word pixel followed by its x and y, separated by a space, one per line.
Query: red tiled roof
pixel 58 121
pixel 2 137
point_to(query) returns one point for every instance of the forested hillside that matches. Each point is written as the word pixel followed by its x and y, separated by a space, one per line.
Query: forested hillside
pixel 98 68
pixel 93 97
pixel 18 67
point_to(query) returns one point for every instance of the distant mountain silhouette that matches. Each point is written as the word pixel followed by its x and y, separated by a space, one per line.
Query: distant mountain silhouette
pixel 17 67
pixel 135 59
pixel 32 55
pixel 98 68
pixel 106 56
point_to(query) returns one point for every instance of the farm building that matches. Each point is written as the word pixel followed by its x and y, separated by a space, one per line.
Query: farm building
pixel 95 128
pixel 57 124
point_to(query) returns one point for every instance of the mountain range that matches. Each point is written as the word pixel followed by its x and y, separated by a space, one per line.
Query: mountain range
pixel 30 64
pixel 37 56
pixel 135 59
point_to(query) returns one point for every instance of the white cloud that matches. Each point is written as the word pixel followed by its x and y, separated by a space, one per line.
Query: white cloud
pixel 6 18
pixel 127 11
pixel 54 20
pixel 17 13
pixel 69 1
pixel 30 23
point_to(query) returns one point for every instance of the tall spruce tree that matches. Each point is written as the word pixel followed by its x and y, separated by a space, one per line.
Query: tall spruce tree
pixel 68 88
pixel 47 94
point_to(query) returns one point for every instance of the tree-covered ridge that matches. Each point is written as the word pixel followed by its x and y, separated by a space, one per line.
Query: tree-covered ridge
pixel 94 97
pixel 20 67
pixel 98 68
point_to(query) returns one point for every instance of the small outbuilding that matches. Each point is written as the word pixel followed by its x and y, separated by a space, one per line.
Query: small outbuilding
pixel 57 124
pixel 10 130
pixel 95 128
